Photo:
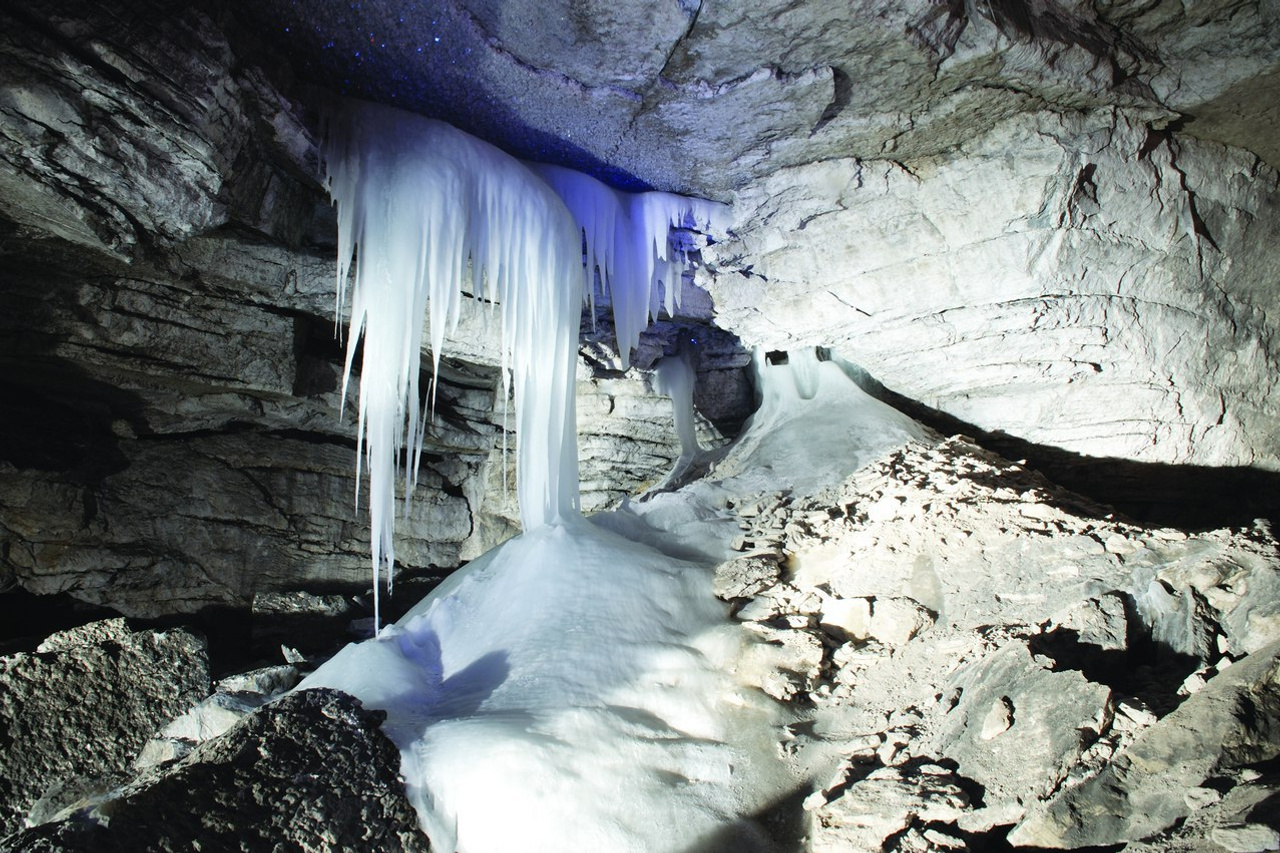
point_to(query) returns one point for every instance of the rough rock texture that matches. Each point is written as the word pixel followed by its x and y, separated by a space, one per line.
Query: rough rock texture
pixel 75 713
pixel 1054 220
pixel 705 97
pixel 976 648
pixel 1107 291
pixel 310 772
pixel 1233 721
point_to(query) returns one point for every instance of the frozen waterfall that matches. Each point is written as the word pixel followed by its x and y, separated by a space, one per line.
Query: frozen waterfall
pixel 427 216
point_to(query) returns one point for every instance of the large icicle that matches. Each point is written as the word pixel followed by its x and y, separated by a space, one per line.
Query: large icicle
pixel 425 211
pixel 628 242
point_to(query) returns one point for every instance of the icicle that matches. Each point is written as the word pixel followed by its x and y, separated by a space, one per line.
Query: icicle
pixel 416 200
pixel 426 211
pixel 628 241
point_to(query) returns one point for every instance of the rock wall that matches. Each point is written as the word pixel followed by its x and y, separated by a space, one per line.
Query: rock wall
pixel 174 435
pixel 1079 281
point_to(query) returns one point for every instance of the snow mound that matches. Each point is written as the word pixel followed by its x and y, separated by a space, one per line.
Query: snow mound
pixel 571 690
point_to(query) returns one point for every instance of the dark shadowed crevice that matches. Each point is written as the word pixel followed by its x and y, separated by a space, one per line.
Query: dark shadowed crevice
pixel 1193 497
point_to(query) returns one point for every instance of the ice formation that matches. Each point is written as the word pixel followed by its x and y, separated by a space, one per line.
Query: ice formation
pixel 674 376
pixel 626 237
pixel 570 691
pixel 427 216
pixel 573 689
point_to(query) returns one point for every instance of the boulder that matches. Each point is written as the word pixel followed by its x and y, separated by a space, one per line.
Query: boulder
pixel 1017 726
pixel 1233 721
pixel 309 772
pixel 75 713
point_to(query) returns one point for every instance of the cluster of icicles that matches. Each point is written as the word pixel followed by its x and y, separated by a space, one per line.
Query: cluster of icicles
pixel 428 216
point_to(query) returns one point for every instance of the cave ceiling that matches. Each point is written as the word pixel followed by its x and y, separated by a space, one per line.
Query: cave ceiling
pixel 704 97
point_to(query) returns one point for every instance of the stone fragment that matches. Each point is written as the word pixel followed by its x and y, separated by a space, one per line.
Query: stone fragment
pixel 998 719
pixel 84 707
pixel 1246 838
pixel 744 577
pixel 1233 721
pixel 309 772
pixel 1052 718
pixel 1198 798
pixel 268 681
pixel 1098 621
pixel 787 663
pixel 846 618
pixel 885 803
pixel 894 621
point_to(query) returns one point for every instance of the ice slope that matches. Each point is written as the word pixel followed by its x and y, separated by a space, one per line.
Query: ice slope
pixel 576 690
pixel 571 691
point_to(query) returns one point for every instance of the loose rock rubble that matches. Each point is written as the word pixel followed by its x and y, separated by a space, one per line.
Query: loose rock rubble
pixel 969 656
pixel 74 713
pixel 310 772
pixel 979 652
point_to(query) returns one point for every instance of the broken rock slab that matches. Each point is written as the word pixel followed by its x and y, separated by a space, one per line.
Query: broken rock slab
pixel 85 702
pixel 885 803
pixel 309 772
pixel 1233 721
pixel 1017 727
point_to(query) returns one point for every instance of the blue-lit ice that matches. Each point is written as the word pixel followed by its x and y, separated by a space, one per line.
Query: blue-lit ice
pixel 575 689
pixel 426 214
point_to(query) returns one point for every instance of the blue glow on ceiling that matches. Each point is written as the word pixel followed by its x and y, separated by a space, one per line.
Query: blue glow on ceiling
pixel 419 56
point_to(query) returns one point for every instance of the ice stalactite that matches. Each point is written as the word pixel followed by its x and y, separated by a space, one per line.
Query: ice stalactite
pixel 626 237
pixel 424 212
pixel 428 214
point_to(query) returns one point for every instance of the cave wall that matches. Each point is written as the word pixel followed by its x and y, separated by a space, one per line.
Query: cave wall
pixel 1083 282
pixel 1055 221
pixel 175 434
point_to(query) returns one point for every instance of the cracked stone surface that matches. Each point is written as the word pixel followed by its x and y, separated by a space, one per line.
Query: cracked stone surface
pixel 1106 292
pixel 310 772
pixel 80 707
pixel 1057 681
pixel 783 83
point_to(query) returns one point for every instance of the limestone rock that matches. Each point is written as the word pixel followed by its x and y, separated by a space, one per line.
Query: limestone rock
pixel 783 83
pixel 884 803
pixel 743 577
pixel 1099 621
pixel 121 131
pixel 1233 721
pixel 83 706
pixel 235 698
pixel 310 772
pixel 847 618
pixel 785 664
pixel 1246 838
pixel 894 621
pixel 1018 726
pixel 1072 279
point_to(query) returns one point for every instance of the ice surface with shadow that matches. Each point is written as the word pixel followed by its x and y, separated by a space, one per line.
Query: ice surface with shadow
pixel 571 690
